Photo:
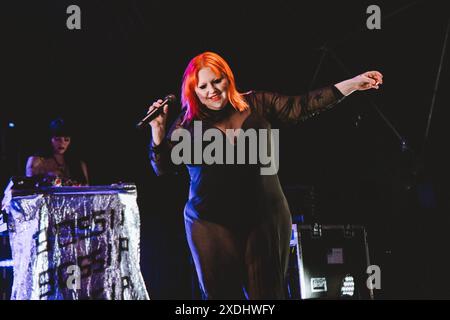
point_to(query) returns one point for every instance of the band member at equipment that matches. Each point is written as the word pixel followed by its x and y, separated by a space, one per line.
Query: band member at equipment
pixel 57 159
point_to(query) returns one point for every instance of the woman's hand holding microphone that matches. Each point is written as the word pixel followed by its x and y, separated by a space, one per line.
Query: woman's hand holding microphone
pixel 159 123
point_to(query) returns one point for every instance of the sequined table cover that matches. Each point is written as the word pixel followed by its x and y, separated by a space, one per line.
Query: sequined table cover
pixel 76 243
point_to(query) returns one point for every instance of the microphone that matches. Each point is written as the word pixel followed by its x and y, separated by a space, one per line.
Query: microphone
pixel 156 111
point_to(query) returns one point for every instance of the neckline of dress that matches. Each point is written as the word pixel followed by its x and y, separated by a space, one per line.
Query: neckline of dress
pixel 62 165
pixel 241 127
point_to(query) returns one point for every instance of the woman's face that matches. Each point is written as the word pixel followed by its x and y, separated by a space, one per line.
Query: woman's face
pixel 211 90
pixel 60 144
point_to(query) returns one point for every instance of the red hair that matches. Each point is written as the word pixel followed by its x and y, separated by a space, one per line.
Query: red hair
pixel 220 67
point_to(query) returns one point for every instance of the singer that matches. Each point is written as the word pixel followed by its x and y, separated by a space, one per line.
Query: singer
pixel 238 223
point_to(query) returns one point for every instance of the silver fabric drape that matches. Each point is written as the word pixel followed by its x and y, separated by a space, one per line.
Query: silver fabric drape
pixel 76 243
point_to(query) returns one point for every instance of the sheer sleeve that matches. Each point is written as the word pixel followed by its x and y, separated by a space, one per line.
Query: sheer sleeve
pixel 292 110
pixel 160 155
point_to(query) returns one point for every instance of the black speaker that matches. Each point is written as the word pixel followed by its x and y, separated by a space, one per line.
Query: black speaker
pixel 329 262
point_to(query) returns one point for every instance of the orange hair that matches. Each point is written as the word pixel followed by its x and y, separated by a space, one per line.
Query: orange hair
pixel 220 67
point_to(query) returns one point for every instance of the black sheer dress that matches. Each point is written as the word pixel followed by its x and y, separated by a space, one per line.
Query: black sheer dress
pixel 238 223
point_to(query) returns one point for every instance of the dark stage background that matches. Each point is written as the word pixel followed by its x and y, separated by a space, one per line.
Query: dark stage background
pixel 129 53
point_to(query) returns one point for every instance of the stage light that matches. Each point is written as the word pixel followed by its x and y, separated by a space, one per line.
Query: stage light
pixel 11 125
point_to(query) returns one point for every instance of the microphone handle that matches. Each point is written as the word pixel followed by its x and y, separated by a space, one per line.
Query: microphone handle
pixel 152 114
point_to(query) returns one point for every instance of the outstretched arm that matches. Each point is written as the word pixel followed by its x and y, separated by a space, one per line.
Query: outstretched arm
pixel 364 81
pixel 295 109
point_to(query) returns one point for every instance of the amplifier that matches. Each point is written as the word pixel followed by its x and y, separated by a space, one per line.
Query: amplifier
pixel 329 262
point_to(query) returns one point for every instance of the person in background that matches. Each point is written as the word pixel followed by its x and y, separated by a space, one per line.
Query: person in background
pixel 57 161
